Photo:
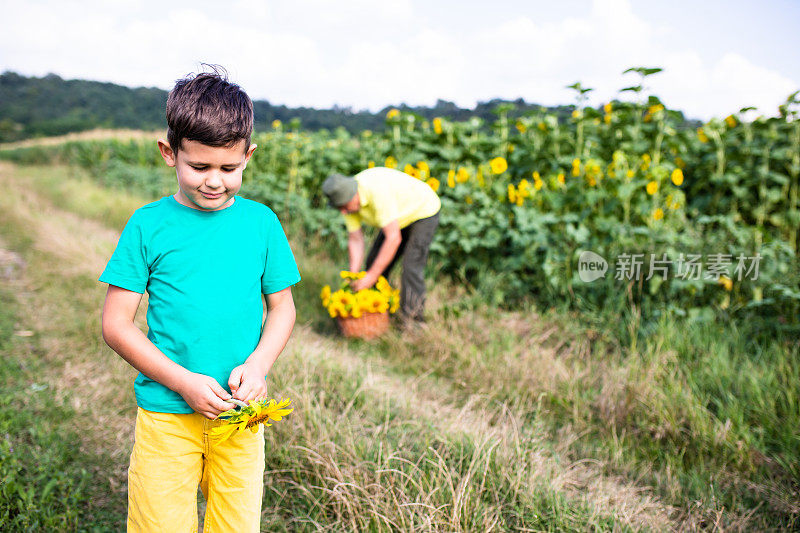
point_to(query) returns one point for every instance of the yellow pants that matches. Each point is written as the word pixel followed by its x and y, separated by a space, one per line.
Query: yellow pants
pixel 172 455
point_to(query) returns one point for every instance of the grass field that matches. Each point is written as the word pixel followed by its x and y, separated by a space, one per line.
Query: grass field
pixel 485 420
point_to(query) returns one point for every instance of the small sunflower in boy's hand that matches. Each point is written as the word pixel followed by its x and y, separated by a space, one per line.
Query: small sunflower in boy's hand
pixel 250 415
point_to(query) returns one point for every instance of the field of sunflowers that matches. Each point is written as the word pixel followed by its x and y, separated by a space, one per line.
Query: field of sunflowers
pixel 524 196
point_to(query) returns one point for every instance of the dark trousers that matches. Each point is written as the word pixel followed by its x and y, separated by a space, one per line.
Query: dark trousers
pixel 416 240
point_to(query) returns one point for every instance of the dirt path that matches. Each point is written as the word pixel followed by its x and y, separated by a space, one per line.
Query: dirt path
pixel 82 247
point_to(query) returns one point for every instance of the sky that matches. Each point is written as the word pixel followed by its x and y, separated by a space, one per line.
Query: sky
pixel 718 56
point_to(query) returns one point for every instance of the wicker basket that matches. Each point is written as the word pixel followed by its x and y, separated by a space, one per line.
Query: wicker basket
pixel 367 326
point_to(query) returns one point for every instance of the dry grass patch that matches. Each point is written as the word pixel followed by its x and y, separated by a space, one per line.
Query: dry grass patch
pixel 98 134
pixel 520 448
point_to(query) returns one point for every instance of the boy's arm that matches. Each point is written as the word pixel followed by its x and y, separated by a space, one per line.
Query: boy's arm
pixel 247 381
pixel 202 393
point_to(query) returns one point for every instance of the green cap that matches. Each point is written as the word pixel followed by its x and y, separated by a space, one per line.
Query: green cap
pixel 339 189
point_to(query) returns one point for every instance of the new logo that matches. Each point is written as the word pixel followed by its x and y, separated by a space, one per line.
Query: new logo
pixel 591 266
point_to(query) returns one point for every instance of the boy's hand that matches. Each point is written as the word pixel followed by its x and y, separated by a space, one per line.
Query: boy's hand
pixel 205 395
pixel 247 383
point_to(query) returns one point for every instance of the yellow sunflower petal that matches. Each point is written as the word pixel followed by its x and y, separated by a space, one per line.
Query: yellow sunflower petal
pixel 225 431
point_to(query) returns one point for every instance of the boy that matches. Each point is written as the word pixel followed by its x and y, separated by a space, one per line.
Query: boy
pixel 407 212
pixel 207 258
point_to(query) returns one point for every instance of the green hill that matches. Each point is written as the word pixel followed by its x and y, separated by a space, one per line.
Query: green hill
pixel 50 105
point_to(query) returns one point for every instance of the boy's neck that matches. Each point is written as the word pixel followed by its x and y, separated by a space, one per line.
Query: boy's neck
pixel 181 199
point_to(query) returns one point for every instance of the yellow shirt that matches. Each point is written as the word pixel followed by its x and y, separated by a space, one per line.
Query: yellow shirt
pixel 386 194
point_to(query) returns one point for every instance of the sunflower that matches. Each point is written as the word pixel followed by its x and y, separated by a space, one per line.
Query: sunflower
pixel 677 177
pixel 576 167
pixel 498 165
pixel 325 295
pixel 348 299
pixel 346 274
pixel 249 416
pixel 347 303
pixel 373 306
pixel 383 286
pixel 337 309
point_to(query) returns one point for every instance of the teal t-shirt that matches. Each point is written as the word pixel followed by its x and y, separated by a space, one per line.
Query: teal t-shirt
pixel 204 272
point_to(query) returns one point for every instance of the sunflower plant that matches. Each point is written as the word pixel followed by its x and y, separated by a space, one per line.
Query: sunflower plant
pixel 345 302
pixel 250 415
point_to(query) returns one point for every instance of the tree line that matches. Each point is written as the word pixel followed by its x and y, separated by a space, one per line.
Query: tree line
pixel 50 105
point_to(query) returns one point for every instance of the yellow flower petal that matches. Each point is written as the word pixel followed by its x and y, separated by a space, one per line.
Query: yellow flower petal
pixel 225 431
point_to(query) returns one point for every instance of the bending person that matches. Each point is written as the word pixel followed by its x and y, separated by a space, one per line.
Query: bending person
pixel 407 211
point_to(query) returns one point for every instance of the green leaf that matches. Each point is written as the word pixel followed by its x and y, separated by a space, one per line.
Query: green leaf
pixel 644 71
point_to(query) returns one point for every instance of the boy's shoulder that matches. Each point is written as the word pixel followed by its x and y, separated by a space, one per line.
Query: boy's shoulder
pixel 256 212
pixel 158 204
pixel 148 212
pixel 256 207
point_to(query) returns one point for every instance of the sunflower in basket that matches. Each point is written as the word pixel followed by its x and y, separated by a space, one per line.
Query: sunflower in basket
pixel 344 302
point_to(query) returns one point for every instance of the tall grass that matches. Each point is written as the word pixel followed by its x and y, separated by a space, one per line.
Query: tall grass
pixel 48 481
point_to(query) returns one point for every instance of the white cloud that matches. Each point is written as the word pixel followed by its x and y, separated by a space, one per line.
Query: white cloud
pixel 740 83
pixel 363 53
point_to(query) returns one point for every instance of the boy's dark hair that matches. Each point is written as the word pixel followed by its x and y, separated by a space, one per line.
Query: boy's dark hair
pixel 209 109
